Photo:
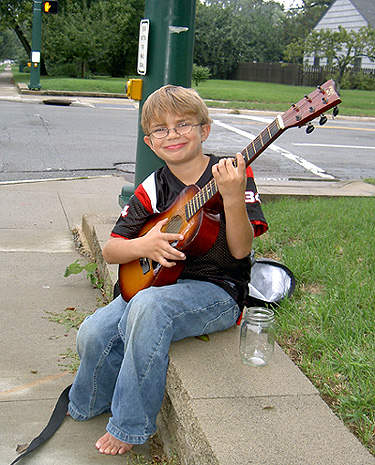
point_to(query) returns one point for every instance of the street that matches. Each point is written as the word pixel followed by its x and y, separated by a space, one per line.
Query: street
pixel 52 141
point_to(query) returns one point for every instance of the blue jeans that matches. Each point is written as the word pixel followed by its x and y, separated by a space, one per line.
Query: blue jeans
pixel 124 352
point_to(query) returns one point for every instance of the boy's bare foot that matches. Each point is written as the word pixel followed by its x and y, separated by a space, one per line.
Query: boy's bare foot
pixel 109 445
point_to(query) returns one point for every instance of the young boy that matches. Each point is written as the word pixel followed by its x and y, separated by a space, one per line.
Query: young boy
pixel 124 347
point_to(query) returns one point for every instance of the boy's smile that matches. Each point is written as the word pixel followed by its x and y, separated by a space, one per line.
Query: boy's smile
pixel 176 146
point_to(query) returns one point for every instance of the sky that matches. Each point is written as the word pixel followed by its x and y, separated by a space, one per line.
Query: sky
pixel 289 3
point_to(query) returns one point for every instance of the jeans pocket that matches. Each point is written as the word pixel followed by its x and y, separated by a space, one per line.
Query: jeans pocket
pixel 226 319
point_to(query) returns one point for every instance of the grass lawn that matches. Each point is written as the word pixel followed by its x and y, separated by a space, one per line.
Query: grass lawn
pixel 278 97
pixel 222 94
pixel 328 325
pixel 96 84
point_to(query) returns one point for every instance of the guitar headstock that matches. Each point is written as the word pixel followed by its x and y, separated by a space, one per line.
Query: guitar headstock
pixel 312 105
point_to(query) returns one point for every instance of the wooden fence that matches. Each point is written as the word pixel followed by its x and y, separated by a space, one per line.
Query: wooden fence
pixel 286 73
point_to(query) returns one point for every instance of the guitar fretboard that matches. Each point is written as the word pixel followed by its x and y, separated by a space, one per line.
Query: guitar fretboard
pixel 250 153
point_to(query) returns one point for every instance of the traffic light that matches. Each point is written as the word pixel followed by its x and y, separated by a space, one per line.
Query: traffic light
pixel 51 7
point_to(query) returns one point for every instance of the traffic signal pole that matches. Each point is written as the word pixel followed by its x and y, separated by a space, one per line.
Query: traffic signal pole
pixel 50 7
pixel 36 43
pixel 169 61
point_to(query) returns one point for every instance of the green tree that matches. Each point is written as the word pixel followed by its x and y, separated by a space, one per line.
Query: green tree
pixel 341 47
pixel 16 15
pixel 68 39
pixel 13 15
pixel 262 30
pixel 232 32
pixel 308 15
pixel 97 36
pixel 217 43
pixel 119 26
pixel 10 48
pixel 86 34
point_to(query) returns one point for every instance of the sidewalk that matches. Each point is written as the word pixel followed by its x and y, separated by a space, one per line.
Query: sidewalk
pixel 36 247
pixel 216 409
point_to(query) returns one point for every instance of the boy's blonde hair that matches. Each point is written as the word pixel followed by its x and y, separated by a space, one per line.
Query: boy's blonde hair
pixel 173 99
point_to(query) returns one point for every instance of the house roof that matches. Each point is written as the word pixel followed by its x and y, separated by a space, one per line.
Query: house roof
pixel 367 10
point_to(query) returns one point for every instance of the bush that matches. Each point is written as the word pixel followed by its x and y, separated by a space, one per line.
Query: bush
pixel 63 69
pixel 200 74
pixel 68 69
pixel 358 80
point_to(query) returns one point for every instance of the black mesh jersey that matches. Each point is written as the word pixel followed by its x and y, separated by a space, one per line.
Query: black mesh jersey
pixel 156 193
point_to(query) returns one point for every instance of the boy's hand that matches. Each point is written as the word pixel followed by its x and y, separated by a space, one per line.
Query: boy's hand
pixel 231 180
pixel 158 245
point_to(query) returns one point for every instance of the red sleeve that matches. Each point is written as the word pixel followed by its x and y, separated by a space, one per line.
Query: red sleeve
pixel 253 205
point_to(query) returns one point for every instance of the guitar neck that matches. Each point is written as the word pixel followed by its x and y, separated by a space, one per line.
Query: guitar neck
pixel 249 153
pixel 261 142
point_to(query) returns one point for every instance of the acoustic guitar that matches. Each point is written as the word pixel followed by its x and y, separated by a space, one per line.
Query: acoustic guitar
pixel 196 212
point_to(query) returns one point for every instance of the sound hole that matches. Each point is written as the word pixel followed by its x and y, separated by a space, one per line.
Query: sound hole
pixel 174 225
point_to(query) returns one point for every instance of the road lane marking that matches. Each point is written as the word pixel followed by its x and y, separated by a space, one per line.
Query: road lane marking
pixel 303 144
pixel 305 164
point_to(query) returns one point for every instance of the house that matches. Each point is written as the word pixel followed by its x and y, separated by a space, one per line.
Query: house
pixel 351 15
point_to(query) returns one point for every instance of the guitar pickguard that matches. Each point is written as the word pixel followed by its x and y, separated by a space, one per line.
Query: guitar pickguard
pixel 145 265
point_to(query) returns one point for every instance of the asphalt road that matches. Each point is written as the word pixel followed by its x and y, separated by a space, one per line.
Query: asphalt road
pixel 51 141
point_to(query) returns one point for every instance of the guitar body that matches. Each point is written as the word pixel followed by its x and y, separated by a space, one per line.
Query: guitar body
pixel 200 233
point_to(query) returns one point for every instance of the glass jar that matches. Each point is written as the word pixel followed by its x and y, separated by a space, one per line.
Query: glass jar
pixel 257 336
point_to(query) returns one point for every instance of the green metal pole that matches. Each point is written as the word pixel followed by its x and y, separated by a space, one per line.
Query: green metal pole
pixel 36 43
pixel 169 61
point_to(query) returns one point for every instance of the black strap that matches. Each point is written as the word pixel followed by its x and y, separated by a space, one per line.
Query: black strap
pixel 57 417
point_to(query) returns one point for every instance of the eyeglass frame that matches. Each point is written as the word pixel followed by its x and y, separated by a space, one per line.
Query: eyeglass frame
pixel 175 129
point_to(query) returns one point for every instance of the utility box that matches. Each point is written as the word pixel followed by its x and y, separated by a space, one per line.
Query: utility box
pixel 133 89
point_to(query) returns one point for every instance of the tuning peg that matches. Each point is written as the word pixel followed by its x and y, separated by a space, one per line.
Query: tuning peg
pixel 323 120
pixel 309 128
pixel 335 111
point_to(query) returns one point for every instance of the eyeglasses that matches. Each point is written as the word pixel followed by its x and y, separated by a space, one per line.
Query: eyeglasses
pixel 181 130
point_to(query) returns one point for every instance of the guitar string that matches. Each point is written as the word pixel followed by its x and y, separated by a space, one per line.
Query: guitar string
pixel 174 224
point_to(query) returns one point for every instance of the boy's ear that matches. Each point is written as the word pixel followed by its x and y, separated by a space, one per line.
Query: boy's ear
pixel 205 131
pixel 148 141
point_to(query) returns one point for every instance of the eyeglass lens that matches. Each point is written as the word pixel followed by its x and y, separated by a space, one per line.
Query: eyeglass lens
pixel 181 129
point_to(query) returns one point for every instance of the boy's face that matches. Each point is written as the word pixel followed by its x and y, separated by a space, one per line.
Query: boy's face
pixel 177 148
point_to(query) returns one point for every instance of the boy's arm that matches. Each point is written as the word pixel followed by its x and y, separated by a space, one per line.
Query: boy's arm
pixel 231 182
pixel 154 245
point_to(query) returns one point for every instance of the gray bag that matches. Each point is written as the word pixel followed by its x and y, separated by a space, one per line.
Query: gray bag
pixel 270 283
